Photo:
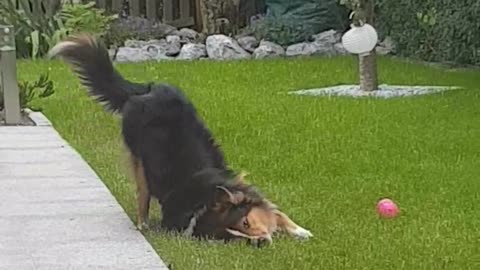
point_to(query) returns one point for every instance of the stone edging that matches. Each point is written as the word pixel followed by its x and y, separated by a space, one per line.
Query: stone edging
pixel 38 118
pixel 187 44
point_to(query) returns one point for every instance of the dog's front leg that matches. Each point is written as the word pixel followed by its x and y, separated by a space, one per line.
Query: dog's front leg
pixel 143 200
pixel 284 223
pixel 143 195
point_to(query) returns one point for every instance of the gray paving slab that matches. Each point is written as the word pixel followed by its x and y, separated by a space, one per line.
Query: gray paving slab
pixel 55 213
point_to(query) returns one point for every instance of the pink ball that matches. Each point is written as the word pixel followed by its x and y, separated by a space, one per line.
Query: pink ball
pixel 387 208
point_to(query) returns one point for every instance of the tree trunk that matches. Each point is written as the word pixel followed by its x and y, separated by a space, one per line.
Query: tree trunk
pixel 368 64
pixel 368 72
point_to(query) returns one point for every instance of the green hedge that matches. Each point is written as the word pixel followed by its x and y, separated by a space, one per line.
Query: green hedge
pixel 432 30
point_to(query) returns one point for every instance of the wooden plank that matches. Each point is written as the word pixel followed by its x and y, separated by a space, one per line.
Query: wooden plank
pixel 116 5
pixel 134 7
pixel 167 11
pixel 151 7
pixel 102 4
pixel 185 22
pixel 185 9
pixel 198 16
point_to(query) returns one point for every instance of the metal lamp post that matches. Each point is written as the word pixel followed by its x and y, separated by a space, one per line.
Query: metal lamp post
pixel 8 75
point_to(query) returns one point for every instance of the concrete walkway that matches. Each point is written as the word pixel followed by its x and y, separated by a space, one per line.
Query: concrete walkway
pixel 55 213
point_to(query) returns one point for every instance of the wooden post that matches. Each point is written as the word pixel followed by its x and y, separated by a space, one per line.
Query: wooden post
pixel 8 75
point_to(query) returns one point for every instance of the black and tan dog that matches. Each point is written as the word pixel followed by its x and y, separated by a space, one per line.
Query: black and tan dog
pixel 174 156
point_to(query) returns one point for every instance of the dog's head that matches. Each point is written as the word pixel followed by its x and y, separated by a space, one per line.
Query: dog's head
pixel 237 210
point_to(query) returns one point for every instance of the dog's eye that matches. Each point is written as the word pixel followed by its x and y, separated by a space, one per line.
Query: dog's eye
pixel 246 225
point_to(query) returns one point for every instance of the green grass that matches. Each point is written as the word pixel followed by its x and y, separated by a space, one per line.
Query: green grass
pixel 325 161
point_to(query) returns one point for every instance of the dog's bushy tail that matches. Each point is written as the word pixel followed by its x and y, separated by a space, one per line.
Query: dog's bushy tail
pixel 91 62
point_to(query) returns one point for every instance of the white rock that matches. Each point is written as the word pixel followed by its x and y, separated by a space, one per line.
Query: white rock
pixel 385 47
pixel 301 49
pixel 329 36
pixel 157 52
pixel 192 51
pixel 340 49
pixel 311 48
pixel 134 43
pixel 268 49
pixel 173 45
pixel 127 54
pixel 221 47
pixel 188 35
pixel 248 43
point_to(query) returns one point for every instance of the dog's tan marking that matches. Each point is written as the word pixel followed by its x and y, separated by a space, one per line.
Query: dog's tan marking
pixel 258 224
pixel 143 194
pixel 284 223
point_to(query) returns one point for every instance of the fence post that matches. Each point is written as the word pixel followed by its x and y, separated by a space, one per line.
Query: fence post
pixel 8 75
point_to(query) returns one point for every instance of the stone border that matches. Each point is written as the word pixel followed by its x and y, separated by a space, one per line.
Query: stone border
pixel 385 91
pixel 38 118
pixel 187 44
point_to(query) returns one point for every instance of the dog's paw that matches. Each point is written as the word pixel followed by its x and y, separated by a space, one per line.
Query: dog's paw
pixel 143 226
pixel 259 243
pixel 302 233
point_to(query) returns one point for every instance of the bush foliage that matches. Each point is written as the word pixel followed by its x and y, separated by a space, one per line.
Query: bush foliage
pixel 30 91
pixel 36 33
pixel 432 30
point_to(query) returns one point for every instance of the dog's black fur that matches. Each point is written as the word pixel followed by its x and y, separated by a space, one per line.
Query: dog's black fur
pixel 183 165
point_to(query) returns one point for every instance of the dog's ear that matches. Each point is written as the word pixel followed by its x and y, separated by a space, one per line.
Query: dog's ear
pixel 224 196
pixel 271 206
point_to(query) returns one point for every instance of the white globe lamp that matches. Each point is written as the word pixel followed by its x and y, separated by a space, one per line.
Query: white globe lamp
pixel 360 40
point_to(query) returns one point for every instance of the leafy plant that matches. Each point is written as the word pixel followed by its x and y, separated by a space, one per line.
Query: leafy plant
pixel 37 32
pixel 39 89
pixel 432 30
pixel 86 18
pixel 282 32
pixel 136 28
pixel 33 31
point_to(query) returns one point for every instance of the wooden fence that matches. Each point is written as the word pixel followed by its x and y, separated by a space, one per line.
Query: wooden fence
pixel 178 13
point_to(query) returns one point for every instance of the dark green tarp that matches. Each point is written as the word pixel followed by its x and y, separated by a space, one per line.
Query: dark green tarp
pixel 315 15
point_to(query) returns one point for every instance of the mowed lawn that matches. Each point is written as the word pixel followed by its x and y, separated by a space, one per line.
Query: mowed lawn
pixel 325 161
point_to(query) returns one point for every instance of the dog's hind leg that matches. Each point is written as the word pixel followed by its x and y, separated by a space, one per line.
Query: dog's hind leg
pixel 143 194
pixel 284 223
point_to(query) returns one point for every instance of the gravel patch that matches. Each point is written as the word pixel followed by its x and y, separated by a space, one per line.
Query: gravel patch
pixel 384 91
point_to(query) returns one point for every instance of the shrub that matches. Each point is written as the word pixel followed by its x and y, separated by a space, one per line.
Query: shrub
pixel 33 33
pixel 136 28
pixel 36 33
pixel 289 22
pixel 86 18
pixel 41 88
pixel 432 30
pixel 282 32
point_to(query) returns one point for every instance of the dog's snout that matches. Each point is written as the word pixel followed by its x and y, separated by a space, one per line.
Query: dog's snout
pixel 266 238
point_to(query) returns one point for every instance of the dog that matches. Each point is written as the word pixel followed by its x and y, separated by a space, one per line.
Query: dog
pixel 173 155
